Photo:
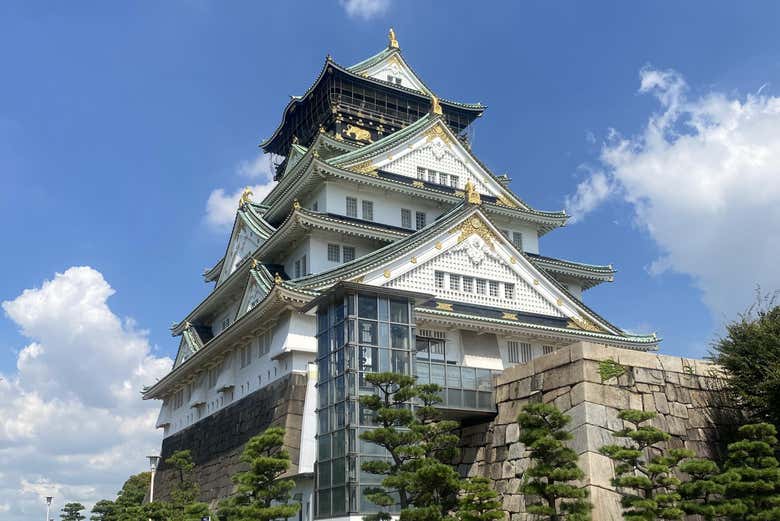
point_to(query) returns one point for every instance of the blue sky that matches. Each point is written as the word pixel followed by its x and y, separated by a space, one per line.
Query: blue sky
pixel 118 121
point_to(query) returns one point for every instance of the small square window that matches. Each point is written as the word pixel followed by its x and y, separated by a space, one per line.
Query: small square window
pixel 481 286
pixel 454 282
pixel 420 173
pixel 493 288
pixel 368 210
pixel 348 253
pixel 454 181
pixel 509 291
pixel 334 253
pixel 468 284
pixel 351 207
pixel 439 279
pixel 517 240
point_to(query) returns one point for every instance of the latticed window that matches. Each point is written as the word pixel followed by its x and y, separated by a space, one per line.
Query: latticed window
pixel 518 352
pixel 547 349
pixel 517 240
pixel 509 291
pixel 406 218
pixel 468 284
pixel 351 207
pixel 297 269
pixel 368 210
pixel 439 279
pixel 493 288
pixel 334 253
pixel 481 286
pixel 454 282
pixel 420 220
pixel 420 173
pixel 454 181
pixel 348 253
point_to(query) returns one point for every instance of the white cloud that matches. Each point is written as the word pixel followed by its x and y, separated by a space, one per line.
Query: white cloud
pixel 365 9
pixel 221 205
pixel 74 425
pixel 703 178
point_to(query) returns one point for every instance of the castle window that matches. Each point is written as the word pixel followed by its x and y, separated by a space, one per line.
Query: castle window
pixel 468 284
pixel 481 286
pixel 455 282
pixel 334 253
pixel 304 267
pixel 348 253
pixel 351 207
pixel 439 279
pixel 547 349
pixel 509 291
pixel 420 220
pixel 432 176
pixel 518 352
pixel 368 210
pixel 406 218
pixel 225 323
pixel 454 181
pixel 420 173
pixel 517 240
pixel 297 269
pixel 493 288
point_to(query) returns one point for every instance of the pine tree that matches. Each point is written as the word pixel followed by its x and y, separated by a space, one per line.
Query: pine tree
pixel 702 492
pixel 752 475
pixel 648 486
pixel 184 505
pixel 72 512
pixel 554 465
pixel 104 510
pixel 420 444
pixel 262 495
pixel 478 501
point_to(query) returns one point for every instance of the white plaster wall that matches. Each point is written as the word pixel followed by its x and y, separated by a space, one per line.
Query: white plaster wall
pixel 530 234
pixel 387 205
pixel 318 246
pixel 298 252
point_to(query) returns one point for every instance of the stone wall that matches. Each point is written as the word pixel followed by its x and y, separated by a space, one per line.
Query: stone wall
pixel 216 442
pixel 685 393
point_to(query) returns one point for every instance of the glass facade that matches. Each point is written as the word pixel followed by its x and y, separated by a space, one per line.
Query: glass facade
pixel 357 333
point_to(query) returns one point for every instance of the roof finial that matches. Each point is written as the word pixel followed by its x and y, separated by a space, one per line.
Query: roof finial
pixel 296 204
pixel 277 279
pixel 435 106
pixel 393 43
pixel 254 263
pixel 246 197
pixel 471 195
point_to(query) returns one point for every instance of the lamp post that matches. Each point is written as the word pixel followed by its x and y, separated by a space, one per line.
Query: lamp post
pixel 153 462
pixel 48 506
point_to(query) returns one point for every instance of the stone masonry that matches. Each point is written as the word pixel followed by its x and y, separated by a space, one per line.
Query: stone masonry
pixel 216 442
pixel 685 393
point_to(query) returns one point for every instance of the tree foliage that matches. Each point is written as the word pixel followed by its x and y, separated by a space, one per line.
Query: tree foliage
pixel 647 484
pixel 750 354
pixel 702 491
pixel 752 475
pixel 478 501
pixel 261 494
pixel 72 512
pixel 104 510
pixel 419 474
pixel 554 470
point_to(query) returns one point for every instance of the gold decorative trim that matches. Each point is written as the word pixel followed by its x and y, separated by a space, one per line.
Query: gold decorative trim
pixel 359 279
pixel 475 226
pixel 512 260
pixel 391 39
pixel 246 197
pixel 436 106
pixel 471 195
pixel 580 322
pixel 460 193
pixel 358 133
pixel 536 282
pixel 277 279
pixel 254 263
pixel 418 184
pixel 509 316
pixel 413 260
pixel 363 168
pixel 438 245
pixel 296 205
pixel 437 131
pixel 444 306
pixel 386 273
pixel 501 200
pixel 559 302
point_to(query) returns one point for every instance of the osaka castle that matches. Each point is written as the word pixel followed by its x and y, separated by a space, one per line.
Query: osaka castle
pixel 386 244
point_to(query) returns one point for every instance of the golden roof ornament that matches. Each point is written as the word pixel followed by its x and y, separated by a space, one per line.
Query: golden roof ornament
pixel 296 204
pixel 436 106
pixel 254 263
pixel 392 42
pixel 246 197
pixel 277 279
pixel 471 195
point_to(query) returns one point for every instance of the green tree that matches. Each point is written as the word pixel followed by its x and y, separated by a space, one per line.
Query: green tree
pixel 420 446
pixel 752 475
pixel 183 505
pixel 478 501
pixel 133 491
pixel 554 465
pixel 750 355
pixel 648 486
pixel 72 512
pixel 702 492
pixel 104 510
pixel 262 495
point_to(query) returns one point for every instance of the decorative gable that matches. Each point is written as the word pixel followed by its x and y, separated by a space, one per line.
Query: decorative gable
pixel 259 284
pixel 186 350
pixel 243 242
pixel 395 70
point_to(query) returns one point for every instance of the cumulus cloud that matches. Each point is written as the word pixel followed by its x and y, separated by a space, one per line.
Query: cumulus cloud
pixel 365 9
pixel 703 178
pixel 221 204
pixel 74 425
